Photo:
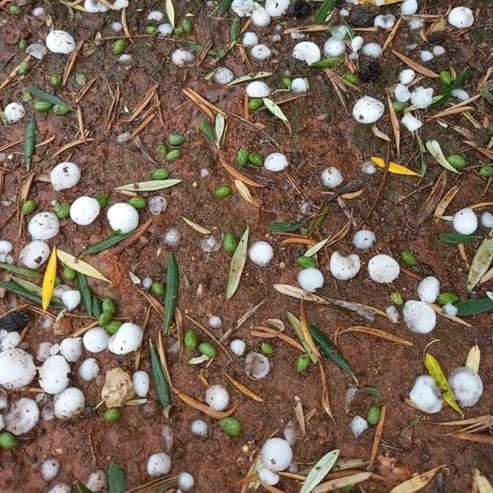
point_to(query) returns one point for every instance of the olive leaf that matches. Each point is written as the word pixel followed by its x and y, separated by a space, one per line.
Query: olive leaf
pixel 220 128
pixel 83 488
pixel 304 336
pixel 171 293
pixel 274 109
pixel 161 383
pixel 249 77
pixel 319 471
pixel 457 238
pixel 48 284
pixel 170 11
pixel 149 186
pixel 467 308
pixel 117 479
pixel 237 265
pixel 324 11
pixel 112 240
pixel 481 262
pixel 79 265
pixel 416 483
pixel 435 150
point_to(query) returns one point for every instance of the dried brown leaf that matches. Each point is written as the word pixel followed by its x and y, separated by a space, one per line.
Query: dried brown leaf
pixel 243 388
pixel 416 66
pixel 417 482
pixel 377 333
pixel 204 408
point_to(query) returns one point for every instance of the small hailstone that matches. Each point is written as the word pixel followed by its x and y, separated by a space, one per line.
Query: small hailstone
pixel 364 239
pixel 426 55
pixel 461 17
pixel 210 244
pixel 5 247
pixel 89 369
pixel 71 348
pixel 299 85
pixel 53 374
pixel 97 481
pixel 157 205
pixel 158 464
pixel 204 173
pixel 310 279
pixel 465 221
pixel 60 488
pixel 84 210
pixel 425 395
pixel 438 50
pixel 249 39
pixel 344 268
pixel 415 23
pixel 383 268
pixel 59 41
pixel 223 75
pixel 275 162
pixel 141 382
pixel 38 11
pixel 260 17
pixel 339 31
pixel 260 52
pixel 357 43
pixel 126 340
pixel 181 57
pixel 331 177
pixel 14 112
pixel 411 122
pixel 215 322
pixel 409 7
pixel 122 217
pixel 276 454
pixel 450 309
pixel 358 425
pixel 22 416
pixel 307 51
pixel 334 48
pixel 486 219
pixel 257 89
pixel 402 93
pixel 290 432
pixel 217 397
pixel 9 340
pixel 120 4
pixel 64 175
pixel 50 469
pixel 199 427
pixel 406 76
pixel 419 316
pixel 69 403
pixel 237 346
pixel 368 110
pixel 384 21
pixel 268 477
pixel 71 299
pixel 172 236
pixel 460 94
pixel 429 289
pixel 95 340
pixel 125 59
pixel 185 481
pixel 392 313
pixel 257 365
pixel 276 8
pixel 34 254
pixel 155 16
pixel 43 226
pixel 43 351
pixel 243 8
pixel 165 29
pixel 466 385
pixel 372 50
pixel 116 27
pixel 261 253
pixel 16 369
pixel 368 168
pixel 94 6
pixel 421 97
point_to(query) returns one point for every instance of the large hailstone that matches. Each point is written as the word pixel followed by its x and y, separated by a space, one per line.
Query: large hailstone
pixel 276 8
pixel 43 226
pixel 53 374
pixel 461 17
pixel 275 161
pixel 14 112
pixel 84 210
pixel 368 110
pixel 257 89
pixel 123 217
pixel 261 253
pixel 344 268
pixel 466 385
pixel 307 51
pixel 64 175
pixel 69 403
pixel 419 316
pixel 277 454
pixel 16 369
pixel 383 268
pixel 310 279
pixel 34 254
pixel 127 339
pixel 22 416
pixel 425 395
pixel 158 464
pixel 59 41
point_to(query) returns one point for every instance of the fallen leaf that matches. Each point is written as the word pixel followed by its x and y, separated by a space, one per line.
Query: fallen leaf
pixel 245 193
pixel 197 227
pixel 346 481
pixel 474 358
pixel 481 262
pixel 482 484
pixel 395 168
pixel 417 482
pixel 79 265
pixel 319 471
pixel 48 285
pixel 237 265
pixel 117 389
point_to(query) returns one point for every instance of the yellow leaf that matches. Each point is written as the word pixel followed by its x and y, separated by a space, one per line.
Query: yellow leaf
pixel 474 358
pixel 395 168
pixel 49 280
pixel 417 483
pixel 79 265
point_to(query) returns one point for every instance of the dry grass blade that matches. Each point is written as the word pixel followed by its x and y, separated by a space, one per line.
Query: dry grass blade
pixel 243 388
pixel 313 352
pixel 417 482
pixel 299 415
pixel 442 204
pixel 202 103
pixel 481 483
pixel 21 198
pixel 479 420
pixel 74 143
pixel 241 321
pixel 13 74
pixel 392 34
pixel 325 401
pixel 338 483
pixel 197 227
pixel 155 304
pixel 378 436
pixel 457 320
pixel 269 333
pixel 147 120
pixel 71 62
pixel 245 194
pixel 237 265
pixel 238 175
pixel 113 109
pixel 481 262
pixel 416 66
pixel 85 89
pixel 396 127
pixel 453 110
pixel 157 485
pixel 474 358
pixel 475 437
pixel 298 240
pixel 204 408
pixel 377 333
pixel 146 99
pixel 486 152
pixel 298 293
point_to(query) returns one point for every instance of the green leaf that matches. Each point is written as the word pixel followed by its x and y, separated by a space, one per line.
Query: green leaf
pixel 46 96
pixel 117 479
pixel 220 127
pixel 224 7
pixel 296 324
pixel 29 142
pixel 28 295
pixel 319 471
pixel 323 11
pixel 207 130
pixel 457 238
pixel 149 186
pixel 85 292
pixel 107 243
pixel 83 488
pixel 446 94
pixel 370 390
pixel 282 227
pixel 237 264
pixel 274 109
pixel 171 293
pixel 21 271
pixel 481 262
pixel 163 392
pixel 467 308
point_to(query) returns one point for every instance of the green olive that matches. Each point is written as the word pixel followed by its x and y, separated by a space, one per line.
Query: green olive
pixel 173 155
pixel 113 326
pixel 176 140
pixel 160 174
pixel 42 106
pixel 229 243
pixel 190 340
pixel 486 171
pixel 157 288
pixel 396 298
pixel 207 349
pixel 267 348
pixel 256 159
pixel 302 363
pixel 231 426
pixel 351 78
pixel 186 26
pixel 447 297
pixel 408 258
pixel 61 109
pixel 457 161
pixel 29 206
pixel 7 440
pixel 255 104
pixel 222 191
pixel 242 157
pixel 112 415
pixel 119 46
pixel 69 274
pixel 305 262
pixel 138 202
pixel 62 211
pixel 103 199
pixel 373 416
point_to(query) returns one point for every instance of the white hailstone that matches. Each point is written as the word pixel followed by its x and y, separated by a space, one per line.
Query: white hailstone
pixel 275 161
pixel 22 416
pixel 406 76
pixel 215 322
pixel 60 488
pixel 260 52
pixel 242 8
pixel 392 314
pixel 486 219
pixel 402 93
pixel 411 122
pixel 460 94
pixel 157 205
pixel 158 464
pixel 16 369
pixel 415 23
pixel 172 236
pixel 53 374
pixel 210 244
pixel 260 17
pixel 450 309
pixel 310 279
pixel 331 177
pixel 37 50
pixel 438 50
pixel 69 403
pixel 358 426
pixel 383 268
pixel 276 8
pixel 465 221
pixel 155 16
pixel 185 481
pixel 409 7
pixel 238 347
pixel 94 6
pixel 5 247
pixel 266 476
pixel 59 41
pixel 122 217
pixel 344 268
pixel 334 48
pixel 126 340
pixel 372 50
pixel 181 57
pixel 307 51
pixel 368 110
pixel 466 385
pixel 461 17
pixel 43 351
pixel 71 299
pixel 357 43
pixel 14 112
pixel 257 89
pixel 199 427
pixel 299 85
pixel 165 29
pixel 290 432
pixel 364 239
pixel 89 369
pixel 384 21
pixel 95 340
pixel 9 340
pixel 257 365
pixel 117 27
pixel 339 31
pixel 43 226
pixel 261 253
pixel 217 397
pixel 422 97
pixel 64 175
pixel 429 289
pixel 141 382
pixel 84 210
pixel 426 55
pixel 419 316
pixel 223 75
pixel 38 11
pixel 71 348
pixel 147 282
pixel 34 254
pixel 120 4
pixel 249 39
pixel 276 454
pixel 50 469
pixel 425 395
pixel 97 481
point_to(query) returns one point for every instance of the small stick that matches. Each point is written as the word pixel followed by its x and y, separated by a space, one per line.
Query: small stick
pixel 71 62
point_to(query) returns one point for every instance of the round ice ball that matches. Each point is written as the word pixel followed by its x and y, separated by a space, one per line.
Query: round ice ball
pixel 16 368
pixel 64 175
pixel 466 385
pixel 429 289
pixel 383 268
pixel 461 17
pixel 217 397
pixel 465 221
pixel 364 239
pixel 275 162
pixel 419 316
pixel 43 226
pixel 261 253
pixel 123 217
pixel 310 279
pixel 34 254
pixel 84 210
pixel 158 464
pixel 344 268
pixel 59 41
pixel 331 177
pixel 276 454
pixel 425 395
pixel 368 110
pixel 14 112
pixel 69 403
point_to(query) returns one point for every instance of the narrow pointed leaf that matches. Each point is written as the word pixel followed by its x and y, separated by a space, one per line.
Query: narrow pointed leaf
pixel 339 484
pixel 83 488
pixel 48 284
pixel 237 265
pixel 315 248
pixel 249 77
pixel 416 483
pixel 21 271
pixel 79 265
pixel 170 11
pixel 85 292
pixel 458 238
pixel 224 7
pixel 149 186
pixel 161 384
pixel 171 293
pixel 28 295
pixel 435 150
pixel 274 109
pixel 481 262
pixel 282 227
pixel 467 308
pixel 220 126
pixel 296 325
pixel 207 130
pixel 324 10
pixel 319 471
pixel 117 479
pixel 107 243
pixel 395 168
pixel 46 96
